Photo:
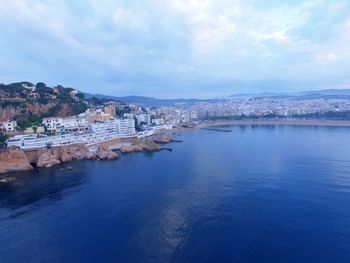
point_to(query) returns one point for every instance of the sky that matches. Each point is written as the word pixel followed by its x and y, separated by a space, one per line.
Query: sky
pixel 177 48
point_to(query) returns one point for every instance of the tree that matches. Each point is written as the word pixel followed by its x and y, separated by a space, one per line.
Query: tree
pixel 78 107
pixel 40 85
pixel 42 88
pixel 80 95
pixel 96 101
pixel 3 137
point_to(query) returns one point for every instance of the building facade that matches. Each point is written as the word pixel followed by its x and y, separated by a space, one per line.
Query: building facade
pixel 8 126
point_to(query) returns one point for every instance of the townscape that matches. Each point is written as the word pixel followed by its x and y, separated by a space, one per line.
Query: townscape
pixel 175 131
pixel 99 120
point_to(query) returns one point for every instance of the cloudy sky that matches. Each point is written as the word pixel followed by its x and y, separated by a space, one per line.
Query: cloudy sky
pixel 177 48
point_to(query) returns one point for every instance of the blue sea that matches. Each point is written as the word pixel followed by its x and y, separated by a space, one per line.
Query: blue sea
pixel 256 194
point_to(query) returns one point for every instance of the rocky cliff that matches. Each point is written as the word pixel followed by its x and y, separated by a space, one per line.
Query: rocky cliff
pixel 12 160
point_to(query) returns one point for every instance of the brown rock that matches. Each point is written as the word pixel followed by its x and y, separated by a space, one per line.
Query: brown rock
pixel 149 145
pixel 104 153
pixel 126 149
pixel 12 160
pixel 91 156
pixel 78 152
pixel 49 158
pixel 131 148
pixel 65 156
pixel 112 156
pixel 163 139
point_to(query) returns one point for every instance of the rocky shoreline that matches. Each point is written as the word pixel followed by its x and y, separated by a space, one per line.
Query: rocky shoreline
pixel 18 160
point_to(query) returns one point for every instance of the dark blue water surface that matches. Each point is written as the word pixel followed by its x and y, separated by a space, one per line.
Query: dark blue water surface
pixel 258 194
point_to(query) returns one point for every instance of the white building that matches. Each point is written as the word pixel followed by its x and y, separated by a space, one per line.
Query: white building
pixel 145 118
pixel 69 124
pixel 128 115
pixel 100 131
pixel 158 121
pixel 53 123
pixel 8 126
pixel 126 126
pixel 115 126
pixel 162 127
pixel 110 125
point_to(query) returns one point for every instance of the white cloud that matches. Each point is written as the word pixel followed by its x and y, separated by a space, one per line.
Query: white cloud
pixel 193 45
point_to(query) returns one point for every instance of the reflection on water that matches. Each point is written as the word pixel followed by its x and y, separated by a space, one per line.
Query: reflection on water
pixel 257 194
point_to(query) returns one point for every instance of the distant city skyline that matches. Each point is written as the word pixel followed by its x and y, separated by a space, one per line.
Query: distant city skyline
pixel 177 48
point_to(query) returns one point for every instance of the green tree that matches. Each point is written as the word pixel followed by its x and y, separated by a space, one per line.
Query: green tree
pixel 80 95
pixel 3 137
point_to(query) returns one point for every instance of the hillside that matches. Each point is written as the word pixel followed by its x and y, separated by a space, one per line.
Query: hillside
pixel 304 95
pixel 28 103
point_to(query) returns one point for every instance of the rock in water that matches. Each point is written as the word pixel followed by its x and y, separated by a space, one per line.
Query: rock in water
pixel 150 146
pixel 91 156
pixel 131 148
pixel 163 139
pixel 104 153
pixel 8 180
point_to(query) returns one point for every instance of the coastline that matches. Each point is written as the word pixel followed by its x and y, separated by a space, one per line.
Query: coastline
pixel 291 122
pixel 21 161
pixel 14 160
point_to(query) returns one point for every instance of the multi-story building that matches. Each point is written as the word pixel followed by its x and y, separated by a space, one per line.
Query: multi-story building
pixel 8 126
pixel 110 108
pixel 69 124
pixel 143 118
pixel 128 115
pixel 93 115
pixel 158 121
pixel 126 126
pixel 110 125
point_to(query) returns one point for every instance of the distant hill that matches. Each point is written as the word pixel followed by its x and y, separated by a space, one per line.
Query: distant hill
pixel 149 101
pixel 320 94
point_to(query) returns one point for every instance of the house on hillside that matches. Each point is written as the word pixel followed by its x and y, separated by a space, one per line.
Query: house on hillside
pixel 8 126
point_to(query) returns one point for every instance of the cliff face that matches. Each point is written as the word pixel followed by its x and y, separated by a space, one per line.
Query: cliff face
pixel 57 155
pixel 10 112
pixel 12 160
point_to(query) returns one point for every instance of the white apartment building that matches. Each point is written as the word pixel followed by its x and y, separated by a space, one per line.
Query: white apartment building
pixel 158 121
pixel 126 126
pixel 162 127
pixel 52 124
pixel 8 126
pixel 110 125
pixel 115 126
pixel 128 115
pixel 100 131
pixel 69 124
pixel 143 118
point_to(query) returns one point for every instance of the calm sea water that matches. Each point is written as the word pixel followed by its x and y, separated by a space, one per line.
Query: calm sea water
pixel 258 194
